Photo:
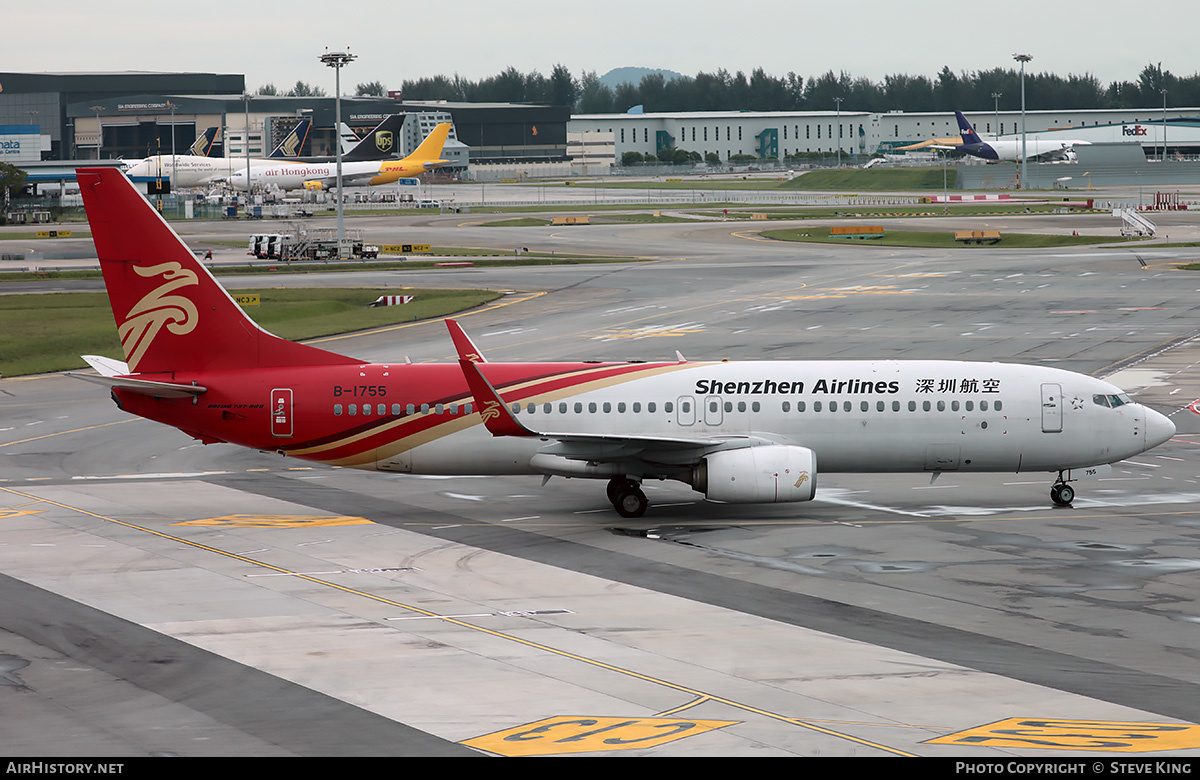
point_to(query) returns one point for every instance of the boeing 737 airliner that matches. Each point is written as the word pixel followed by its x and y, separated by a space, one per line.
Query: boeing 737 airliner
pixel 739 432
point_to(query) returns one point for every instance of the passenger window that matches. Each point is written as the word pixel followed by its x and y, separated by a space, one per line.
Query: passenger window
pixel 592 408
pixel 816 406
pixel 667 407
pixel 337 410
pixel 381 409
pixel 941 406
pixel 800 406
pixel 954 406
pixel 396 409
pixel 754 407
pixel 879 406
pixel 562 408
pixel 741 406
pixel 531 408
pixel 685 407
pixel 895 406
pixel 983 406
pixel 925 406
pixel 864 406
pixel 607 407
pixel 547 408
pixel 970 406
pixel 997 406
pixel 846 406
pixel 424 408
pixel 453 408
pixel 578 408
pixel 438 409
pixel 621 408
pixel 410 409
pixel 912 406
pixel 637 407
pixel 787 407
pixel 353 409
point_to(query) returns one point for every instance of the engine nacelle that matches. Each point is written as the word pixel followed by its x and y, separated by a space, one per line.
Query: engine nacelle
pixel 758 475
pixel 313 186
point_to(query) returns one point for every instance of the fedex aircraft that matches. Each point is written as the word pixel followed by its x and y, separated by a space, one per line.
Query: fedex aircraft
pixel 322 176
pixel 1009 149
pixel 738 432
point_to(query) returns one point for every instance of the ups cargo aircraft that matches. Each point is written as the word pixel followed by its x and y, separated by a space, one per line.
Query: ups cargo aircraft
pixel 322 176
pixel 739 432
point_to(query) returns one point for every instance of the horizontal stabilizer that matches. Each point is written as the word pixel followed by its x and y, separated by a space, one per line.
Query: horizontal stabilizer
pixel 149 387
pixel 107 366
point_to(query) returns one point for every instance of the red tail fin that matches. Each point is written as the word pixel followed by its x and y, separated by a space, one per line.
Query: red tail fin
pixel 171 313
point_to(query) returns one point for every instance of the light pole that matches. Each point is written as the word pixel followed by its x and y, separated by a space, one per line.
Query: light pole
pixel 337 60
pixel 246 97
pixel 838 101
pixel 1164 94
pixel 996 109
pixel 1023 58
pixel 174 161
pixel 99 131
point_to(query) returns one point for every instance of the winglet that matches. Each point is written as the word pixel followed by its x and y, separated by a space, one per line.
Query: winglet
pixel 462 342
pixel 497 418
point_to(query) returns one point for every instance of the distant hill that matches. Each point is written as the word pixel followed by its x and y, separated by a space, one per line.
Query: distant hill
pixel 634 76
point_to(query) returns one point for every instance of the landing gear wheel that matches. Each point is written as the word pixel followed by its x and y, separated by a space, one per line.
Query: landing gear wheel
pixel 616 485
pixel 631 502
pixel 1062 494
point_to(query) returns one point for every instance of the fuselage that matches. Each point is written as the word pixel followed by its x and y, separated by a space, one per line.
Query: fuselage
pixel 1010 150
pixel 295 175
pixel 187 170
pixel 857 416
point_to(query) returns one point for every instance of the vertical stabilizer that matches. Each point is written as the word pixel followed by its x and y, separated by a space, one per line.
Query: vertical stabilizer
pixel 969 136
pixel 430 149
pixel 171 314
pixel 380 143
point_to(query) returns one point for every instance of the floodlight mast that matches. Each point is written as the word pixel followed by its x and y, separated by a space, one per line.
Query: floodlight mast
pixel 337 60
pixel 1023 58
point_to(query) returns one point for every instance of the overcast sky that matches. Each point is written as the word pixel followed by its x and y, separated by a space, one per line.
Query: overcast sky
pixel 279 42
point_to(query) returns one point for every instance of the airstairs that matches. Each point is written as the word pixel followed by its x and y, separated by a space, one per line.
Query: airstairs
pixel 1133 223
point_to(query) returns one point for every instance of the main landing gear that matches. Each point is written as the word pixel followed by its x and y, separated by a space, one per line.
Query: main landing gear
pixel 1061 493
pixel 627 497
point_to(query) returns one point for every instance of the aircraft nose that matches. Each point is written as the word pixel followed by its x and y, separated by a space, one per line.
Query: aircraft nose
pixel 1159 429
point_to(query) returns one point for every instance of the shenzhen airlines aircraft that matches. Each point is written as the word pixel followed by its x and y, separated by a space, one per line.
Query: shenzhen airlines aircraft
pixel 739 432
pixel 322 176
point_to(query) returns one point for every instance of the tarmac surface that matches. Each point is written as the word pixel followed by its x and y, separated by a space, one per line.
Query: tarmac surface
pixel 167 598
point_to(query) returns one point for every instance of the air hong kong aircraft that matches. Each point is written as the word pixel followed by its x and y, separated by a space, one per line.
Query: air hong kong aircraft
pixel 738 432
pixel 321 176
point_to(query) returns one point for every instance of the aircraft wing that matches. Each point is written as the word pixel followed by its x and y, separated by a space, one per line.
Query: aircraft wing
pixel 589 447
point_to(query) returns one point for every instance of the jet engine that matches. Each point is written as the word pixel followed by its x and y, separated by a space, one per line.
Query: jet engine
pixel 758 475
pixel 313 186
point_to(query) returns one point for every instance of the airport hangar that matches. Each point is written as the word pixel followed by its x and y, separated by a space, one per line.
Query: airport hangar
pixel 779 134
pixel 72 116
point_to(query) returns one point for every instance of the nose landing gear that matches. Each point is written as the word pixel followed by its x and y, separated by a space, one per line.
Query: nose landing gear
pixel 1061 493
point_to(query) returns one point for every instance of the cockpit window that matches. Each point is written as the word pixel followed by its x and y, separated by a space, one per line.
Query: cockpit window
pixel 1113 401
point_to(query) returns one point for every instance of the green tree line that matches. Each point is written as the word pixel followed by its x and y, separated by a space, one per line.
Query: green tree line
pixel 723 91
